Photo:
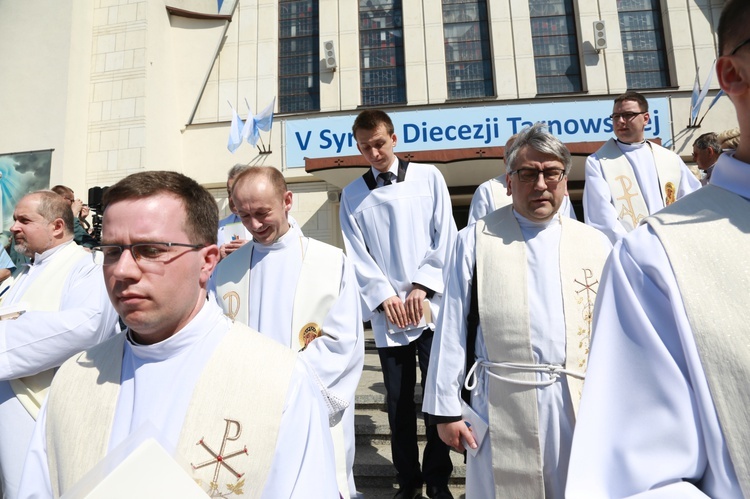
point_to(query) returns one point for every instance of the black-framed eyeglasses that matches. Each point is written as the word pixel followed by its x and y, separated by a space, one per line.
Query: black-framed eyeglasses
pixel 551 175
pixel 625 116
pixel 143 253
pixel 738 47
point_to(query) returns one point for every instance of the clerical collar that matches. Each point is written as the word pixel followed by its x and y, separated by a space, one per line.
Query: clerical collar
pixel 205 321
pixel 640 143
pixel 289 238
pixel 291 226
pixel 46 255
pixel 531 224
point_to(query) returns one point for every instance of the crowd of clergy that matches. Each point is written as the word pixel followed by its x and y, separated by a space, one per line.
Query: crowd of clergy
pixel 187 356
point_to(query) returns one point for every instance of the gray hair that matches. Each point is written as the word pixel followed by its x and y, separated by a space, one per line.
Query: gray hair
pixel 538 138
pixel 708 141
pixel 236 170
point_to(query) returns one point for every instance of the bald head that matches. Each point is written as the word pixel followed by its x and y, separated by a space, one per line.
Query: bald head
pixel 262 201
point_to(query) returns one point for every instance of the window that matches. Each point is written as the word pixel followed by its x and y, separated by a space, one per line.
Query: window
pixel 467 49
pixel 299 57
pixel 381 52
pixel 643 43
pixel 553 34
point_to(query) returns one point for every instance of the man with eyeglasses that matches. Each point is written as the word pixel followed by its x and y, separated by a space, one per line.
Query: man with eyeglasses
pixel 56 307
pixel 301 293
pixel 629 178
pixel 514 330
pixel 237 408
pixel 493 194
pixel 664 409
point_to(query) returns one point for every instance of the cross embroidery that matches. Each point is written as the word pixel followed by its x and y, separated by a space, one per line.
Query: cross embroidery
pixel 219 458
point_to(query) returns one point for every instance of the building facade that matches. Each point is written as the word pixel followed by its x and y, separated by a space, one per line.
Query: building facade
pixel 106 88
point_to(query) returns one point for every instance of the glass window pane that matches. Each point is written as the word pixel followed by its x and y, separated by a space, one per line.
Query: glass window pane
pixel 299 56
pixel 555 44
pixel 381 55
pixel 467 49
pixel 643 47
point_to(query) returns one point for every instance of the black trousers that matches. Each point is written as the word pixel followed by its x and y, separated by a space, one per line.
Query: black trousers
pixel 400 378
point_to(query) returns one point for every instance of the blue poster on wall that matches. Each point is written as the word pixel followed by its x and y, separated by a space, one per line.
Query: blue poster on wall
pixel 467 127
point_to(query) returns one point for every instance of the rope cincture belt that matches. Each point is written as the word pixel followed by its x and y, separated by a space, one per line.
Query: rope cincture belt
pixel 554 371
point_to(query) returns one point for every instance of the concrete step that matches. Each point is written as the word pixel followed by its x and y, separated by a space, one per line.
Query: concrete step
pixel 371 389
pixel 371 425
pixel 374 473
pixel 368 492
pixel 373 467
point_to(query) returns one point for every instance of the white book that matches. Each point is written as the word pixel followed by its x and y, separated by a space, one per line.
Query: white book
pixel 149 472
pixel 476 424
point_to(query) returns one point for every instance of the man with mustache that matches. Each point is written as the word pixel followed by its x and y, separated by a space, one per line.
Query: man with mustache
pixel 66 310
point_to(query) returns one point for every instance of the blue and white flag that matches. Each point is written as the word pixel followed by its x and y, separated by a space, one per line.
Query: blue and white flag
pixel 254 124
pixel 248 133
pixel 235 131
pixel 694 97
pixel 264 119
pixel 696 103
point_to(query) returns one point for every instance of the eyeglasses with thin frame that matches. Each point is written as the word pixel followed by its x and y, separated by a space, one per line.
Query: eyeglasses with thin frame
pixel 738 47
pixel 626 116
pixel 551 175
pixel 142 253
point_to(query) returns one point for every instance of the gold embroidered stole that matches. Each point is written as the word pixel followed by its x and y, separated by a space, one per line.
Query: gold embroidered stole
pixel 627 195
pixel 504 315
pixel 317 288
pixel 706 236
pixel 224 417
pixel 499 192
pixel 44 294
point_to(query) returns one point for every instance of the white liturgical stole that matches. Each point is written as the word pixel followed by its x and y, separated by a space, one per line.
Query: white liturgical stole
pixel 44 294
pixel 317 288
pixel 499 194
pixel 504 315
pixel 627 196
pixel 223 419
pixel 706 237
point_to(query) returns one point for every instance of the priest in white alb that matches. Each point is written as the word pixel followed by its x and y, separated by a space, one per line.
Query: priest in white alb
pixel 664 410
pixel 629 178
pixel 525 276
pixel 493 194
pixel 64 310
pixel 232 411
pixel 301 293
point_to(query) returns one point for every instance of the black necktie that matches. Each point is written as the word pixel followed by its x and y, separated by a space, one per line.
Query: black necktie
pixel 386 178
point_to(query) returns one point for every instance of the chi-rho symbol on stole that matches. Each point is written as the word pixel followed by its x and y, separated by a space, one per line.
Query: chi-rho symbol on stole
pixel 232 299
pixel 628 210
pixel 220 461
pixel 586 295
